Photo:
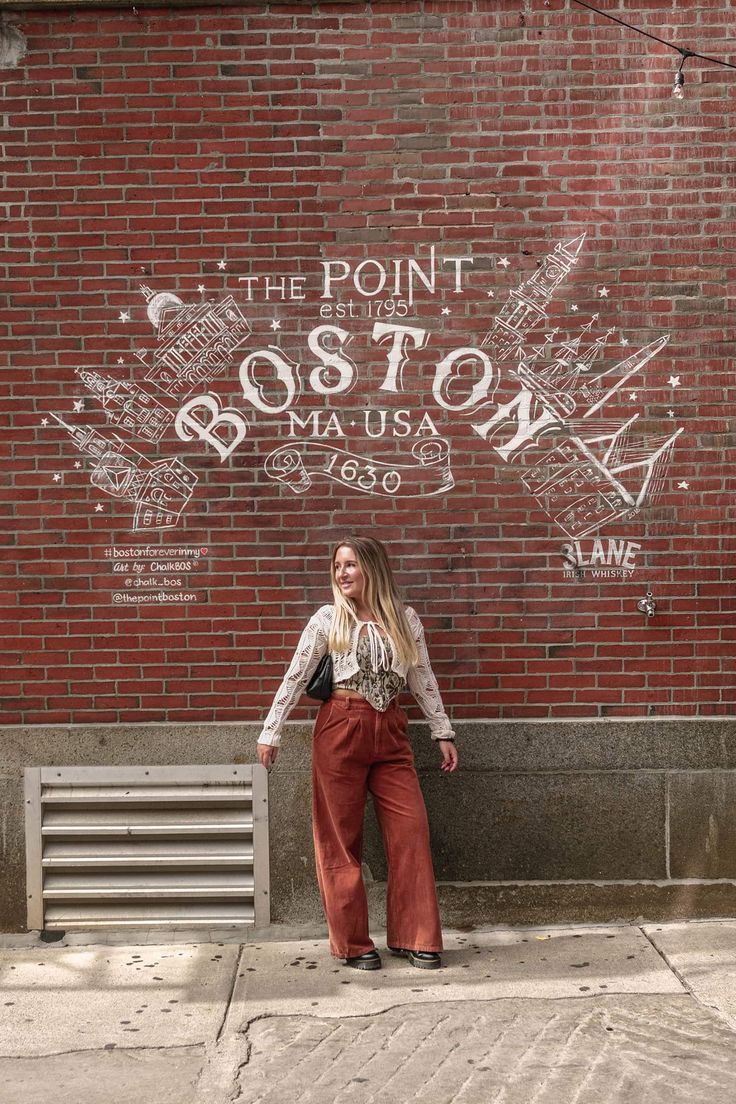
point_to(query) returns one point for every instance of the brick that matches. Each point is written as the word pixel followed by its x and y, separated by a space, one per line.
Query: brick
pixel 276 137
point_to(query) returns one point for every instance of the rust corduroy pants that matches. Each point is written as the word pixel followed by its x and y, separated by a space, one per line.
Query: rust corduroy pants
pixel 356 749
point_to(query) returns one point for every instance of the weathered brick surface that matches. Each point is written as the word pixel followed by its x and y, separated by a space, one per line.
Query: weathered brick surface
pixel 147 148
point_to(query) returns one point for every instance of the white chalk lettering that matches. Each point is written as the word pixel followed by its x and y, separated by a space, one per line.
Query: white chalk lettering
pixel 517 410
pixel 343 365
pixel 446 376
pixel 188 425
pixel 397 355
pixel 286 374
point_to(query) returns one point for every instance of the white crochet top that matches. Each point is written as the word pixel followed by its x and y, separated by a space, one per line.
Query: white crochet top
pixel 312 647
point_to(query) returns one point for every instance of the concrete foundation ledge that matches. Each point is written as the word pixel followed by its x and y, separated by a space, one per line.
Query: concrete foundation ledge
pixel 473 905
pixel 545 821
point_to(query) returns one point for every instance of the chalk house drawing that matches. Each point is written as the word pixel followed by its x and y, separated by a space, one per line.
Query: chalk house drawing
pixel 160 490
pixel 128 406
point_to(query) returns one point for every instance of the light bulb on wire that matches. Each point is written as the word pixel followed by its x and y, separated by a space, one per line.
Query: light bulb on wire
pixel 678 87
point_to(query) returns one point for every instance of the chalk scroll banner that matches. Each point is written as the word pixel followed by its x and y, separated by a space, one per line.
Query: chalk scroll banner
pixel 295 465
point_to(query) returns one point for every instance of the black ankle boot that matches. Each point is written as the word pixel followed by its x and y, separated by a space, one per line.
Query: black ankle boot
pixel 371 960
pixel 424 960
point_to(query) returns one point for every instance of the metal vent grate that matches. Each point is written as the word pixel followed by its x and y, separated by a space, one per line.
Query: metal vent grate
pixel 147 846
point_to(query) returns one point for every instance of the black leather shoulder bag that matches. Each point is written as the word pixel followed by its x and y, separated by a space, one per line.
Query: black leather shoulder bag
pixel 320 684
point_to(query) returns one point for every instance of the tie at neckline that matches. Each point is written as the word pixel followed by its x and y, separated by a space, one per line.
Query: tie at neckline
pixel 378 653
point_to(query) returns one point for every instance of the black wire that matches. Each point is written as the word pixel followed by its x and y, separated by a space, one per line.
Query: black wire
pixel 680 49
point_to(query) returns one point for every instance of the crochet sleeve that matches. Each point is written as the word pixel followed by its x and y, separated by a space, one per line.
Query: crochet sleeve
pixel 311 648
pixel 423 685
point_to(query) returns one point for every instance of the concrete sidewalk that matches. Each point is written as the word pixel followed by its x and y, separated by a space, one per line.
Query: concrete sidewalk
pixel 585 1014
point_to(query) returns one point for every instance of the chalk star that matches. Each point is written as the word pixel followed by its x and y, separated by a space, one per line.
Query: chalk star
pixel 574 307
pixel 77 463
pixel 221 265
pixel 504 262
pixel 275 325
pixel 200 288
pixel 124 316
pixel 79 406
pixel 603 292
pixel 633 395
pixel 674 381
pixel 491 294
pixel 670 413
pixel 57 478
pixel 624 341
pixel 684 485
pixel 98 508
pixel 44 421
pixel 120 360
pixel 445 310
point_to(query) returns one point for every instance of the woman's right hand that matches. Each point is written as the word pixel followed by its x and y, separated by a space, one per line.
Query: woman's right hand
pixel 267 754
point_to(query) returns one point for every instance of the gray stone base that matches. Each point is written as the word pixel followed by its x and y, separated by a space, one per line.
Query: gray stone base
pixel 544 821
pixel 564 902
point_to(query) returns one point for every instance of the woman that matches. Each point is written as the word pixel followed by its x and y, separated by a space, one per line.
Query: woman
pixel 360 744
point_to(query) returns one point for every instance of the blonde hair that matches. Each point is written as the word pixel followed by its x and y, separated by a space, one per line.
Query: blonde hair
pixel 380 594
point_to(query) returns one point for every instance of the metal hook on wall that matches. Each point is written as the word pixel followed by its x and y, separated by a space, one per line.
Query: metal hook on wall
pixel 647 604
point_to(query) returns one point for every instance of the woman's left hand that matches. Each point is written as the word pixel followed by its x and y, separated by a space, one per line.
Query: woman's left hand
pixel 449 755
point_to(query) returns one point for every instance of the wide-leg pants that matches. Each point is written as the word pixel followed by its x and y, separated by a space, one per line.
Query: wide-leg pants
pixel 357 749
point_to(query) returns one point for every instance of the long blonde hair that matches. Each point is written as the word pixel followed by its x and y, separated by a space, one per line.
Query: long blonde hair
pixel 380 594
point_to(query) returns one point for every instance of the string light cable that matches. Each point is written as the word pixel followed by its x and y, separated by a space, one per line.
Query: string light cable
pixel 678 88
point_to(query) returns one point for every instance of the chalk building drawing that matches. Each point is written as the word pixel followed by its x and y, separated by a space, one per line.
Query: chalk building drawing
pixel 160 490
pixel 196 342
pixel 526 306
pixel 128 406
pixel 557 384
pixel 587 480
pixel 600 472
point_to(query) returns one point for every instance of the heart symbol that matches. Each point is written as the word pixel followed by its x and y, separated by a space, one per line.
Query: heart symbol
pixel 204 551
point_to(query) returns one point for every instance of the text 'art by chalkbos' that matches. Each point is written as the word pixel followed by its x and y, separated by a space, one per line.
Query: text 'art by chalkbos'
pixel 591 472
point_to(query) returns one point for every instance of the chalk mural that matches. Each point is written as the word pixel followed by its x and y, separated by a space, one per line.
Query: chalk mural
pixel 160 490
pixel 196 342
pixel 127 405
pixel 585 472
pixel 430 473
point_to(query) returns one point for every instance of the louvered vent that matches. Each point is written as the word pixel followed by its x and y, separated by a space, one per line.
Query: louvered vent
pixel 177 846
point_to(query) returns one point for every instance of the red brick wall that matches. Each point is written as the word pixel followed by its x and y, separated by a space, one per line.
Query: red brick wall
pixel 174 149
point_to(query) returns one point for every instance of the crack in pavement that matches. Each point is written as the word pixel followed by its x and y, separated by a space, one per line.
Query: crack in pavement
pixel 219 1076
pixel 105 1049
